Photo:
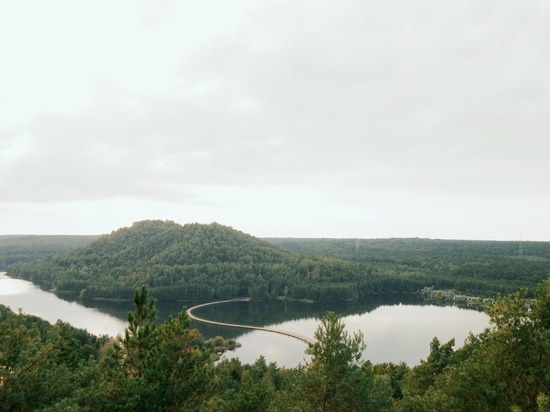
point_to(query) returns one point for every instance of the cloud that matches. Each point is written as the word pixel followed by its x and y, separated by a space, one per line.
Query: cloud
pixel 154 100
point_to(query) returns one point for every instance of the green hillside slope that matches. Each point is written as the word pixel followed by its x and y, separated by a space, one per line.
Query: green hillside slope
pixel 29 248
pixel 194 262
pixel 473 266
pixel 205 262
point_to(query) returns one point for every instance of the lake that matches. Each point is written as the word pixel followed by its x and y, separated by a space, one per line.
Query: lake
pixel 20 294
pixel 395 327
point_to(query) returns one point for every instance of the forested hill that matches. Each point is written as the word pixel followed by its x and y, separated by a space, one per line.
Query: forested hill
pixel 28 248
pixel 411 248
pixel 206 262
pixel 193 262
pixel 473 266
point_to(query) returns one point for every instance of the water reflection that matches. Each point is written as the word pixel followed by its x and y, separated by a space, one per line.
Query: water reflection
pixel 12 286
pixel 404 332
pixel 30 299
pixel 396 328
pixel 393 333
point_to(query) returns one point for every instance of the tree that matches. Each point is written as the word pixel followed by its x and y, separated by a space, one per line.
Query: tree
pixel 334 350
pixel 140 335
pixel 40 364
pixel 336 379
pixel 155 368
pixel 422 377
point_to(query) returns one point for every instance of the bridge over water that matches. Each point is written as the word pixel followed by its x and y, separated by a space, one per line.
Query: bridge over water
pixel 234 325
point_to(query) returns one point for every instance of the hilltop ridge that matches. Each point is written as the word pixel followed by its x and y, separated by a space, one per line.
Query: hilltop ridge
pixel 190 262
pixel 203 262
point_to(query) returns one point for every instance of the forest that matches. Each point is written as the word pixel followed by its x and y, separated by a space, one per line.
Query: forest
pixel 167 366
pixel 29 248
pixel 479 267
pixel 170 367
pixel 202 262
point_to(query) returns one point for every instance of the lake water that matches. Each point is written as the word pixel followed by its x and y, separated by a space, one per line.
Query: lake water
pixel 396 328
pixel 20 294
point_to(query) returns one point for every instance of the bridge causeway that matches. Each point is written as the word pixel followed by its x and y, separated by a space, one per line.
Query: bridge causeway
pixel 234 325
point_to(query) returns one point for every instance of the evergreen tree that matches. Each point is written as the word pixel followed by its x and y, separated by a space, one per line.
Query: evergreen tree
pixel 155 368
pixel 336 379
pixel 140 335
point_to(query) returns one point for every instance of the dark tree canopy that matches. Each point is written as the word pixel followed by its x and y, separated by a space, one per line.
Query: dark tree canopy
pixel 170 367
pixel 198 262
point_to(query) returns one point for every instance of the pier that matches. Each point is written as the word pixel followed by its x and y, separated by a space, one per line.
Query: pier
pixel 234 325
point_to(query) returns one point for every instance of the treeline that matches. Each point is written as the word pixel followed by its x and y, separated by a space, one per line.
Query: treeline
pixel 474 267
pixel 170 367
pixel 30 248
pixel 198 262
pixel 411 248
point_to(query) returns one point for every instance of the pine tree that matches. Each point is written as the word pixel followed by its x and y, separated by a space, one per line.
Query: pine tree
pixel 140 335
pixel 336 379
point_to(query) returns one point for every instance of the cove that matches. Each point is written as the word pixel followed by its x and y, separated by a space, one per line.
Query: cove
pixel 21 294
pixel 393 331
pixel 396 328
pixel 294 335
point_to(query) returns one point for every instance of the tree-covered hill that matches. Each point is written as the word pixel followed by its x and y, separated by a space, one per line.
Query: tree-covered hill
pixel 28 248
pixel 195 262
pixel 473 266
pixel 368 250
pixel 198 262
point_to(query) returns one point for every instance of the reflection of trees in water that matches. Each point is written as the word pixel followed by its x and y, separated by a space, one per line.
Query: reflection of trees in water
pixel 117 309
pixel 276 312
pixel 260 313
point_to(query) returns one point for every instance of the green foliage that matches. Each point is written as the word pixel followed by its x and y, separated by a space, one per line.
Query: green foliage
pixel 504 368
pixel 334 349
pixel 423 376
pixel 155 368
pixel 196 262
pixel 336 379
pixel 167 367
pixel 395 374
pixel 30 248
pixel 482 268
pixel 41 364
pixel 140 336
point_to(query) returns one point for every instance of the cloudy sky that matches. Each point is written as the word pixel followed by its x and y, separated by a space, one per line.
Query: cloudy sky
pixel 403 118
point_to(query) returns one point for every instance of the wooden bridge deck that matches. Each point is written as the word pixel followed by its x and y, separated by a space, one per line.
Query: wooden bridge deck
pixel 234 325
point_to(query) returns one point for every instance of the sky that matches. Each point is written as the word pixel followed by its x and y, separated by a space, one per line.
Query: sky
pixel 342 119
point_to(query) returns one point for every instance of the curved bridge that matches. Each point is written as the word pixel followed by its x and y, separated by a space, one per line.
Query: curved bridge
pixel 234 325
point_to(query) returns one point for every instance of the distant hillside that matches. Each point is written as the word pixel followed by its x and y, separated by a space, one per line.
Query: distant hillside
pixel 194 262
pixel 205 262
pixel 476 266
pixel 406 248
pixel 29 248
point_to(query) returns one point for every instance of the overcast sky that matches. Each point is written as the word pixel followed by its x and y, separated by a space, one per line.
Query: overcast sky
pixel 403 118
